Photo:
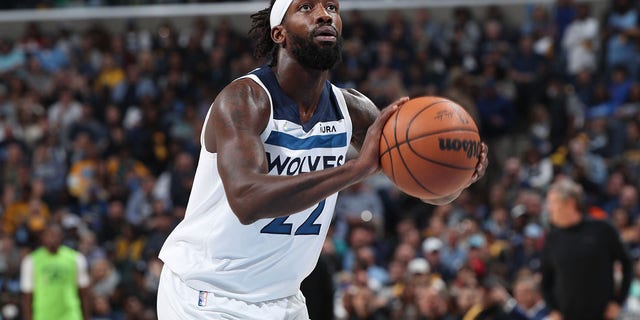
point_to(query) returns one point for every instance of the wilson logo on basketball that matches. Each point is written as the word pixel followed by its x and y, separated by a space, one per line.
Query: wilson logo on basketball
pixel 470 147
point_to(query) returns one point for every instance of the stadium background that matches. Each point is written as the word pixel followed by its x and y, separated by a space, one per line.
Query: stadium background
pixel 101 108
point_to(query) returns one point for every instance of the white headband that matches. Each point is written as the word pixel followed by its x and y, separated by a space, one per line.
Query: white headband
pixel 277 12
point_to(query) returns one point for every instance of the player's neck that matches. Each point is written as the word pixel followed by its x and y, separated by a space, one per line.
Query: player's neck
pixel 301 84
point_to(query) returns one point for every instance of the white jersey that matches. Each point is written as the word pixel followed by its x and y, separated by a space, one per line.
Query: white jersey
pixel 210 250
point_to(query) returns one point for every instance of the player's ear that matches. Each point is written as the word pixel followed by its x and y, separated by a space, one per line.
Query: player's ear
pixel 278 34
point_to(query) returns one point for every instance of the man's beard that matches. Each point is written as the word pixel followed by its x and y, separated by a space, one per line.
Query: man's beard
pixel 311 55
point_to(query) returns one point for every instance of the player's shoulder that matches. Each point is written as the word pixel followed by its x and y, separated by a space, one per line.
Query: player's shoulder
pixel 242 93
pixel 360 106
pixel 356 99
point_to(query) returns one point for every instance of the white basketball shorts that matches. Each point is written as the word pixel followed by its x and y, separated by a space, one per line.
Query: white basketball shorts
pixel 176 301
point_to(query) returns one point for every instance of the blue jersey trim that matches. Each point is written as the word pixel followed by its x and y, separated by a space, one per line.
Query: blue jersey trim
pixel 286 109
pixel 325 141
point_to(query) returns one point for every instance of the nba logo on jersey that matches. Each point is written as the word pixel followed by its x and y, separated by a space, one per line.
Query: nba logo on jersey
pixel 202 298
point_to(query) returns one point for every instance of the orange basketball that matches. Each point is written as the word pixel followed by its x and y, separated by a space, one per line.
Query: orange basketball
pixel 430 147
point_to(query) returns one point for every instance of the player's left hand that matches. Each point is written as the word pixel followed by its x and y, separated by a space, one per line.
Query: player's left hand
pixel 481 168
pixel 483 162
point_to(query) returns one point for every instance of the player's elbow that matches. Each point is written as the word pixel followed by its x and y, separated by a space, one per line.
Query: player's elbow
pixel 241 197
pixel 243 204
pixel 243 211
pixel 245 219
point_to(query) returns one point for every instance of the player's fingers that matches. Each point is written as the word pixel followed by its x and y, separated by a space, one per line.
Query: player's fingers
pixel 399 102
pixel 481 167
pixel 385 115
pixel 484 150
pixel 388 111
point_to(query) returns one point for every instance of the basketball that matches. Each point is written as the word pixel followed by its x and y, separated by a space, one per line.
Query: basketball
pixel 429 147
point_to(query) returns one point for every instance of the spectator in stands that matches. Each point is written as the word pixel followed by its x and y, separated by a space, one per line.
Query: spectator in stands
pixel 432 303
pixel 537 22
pixel 136 86
pixel 527 303
pixel 360 27
pixel 619 25
pixel 431 250
pixel 537 171
pixel 63 113
pixel 28 216
pixel 527 252
pixel 628 201
pixel 384 79
pixel 52 57
pixel 462 35
pixel 580 41
pixel 158 228
pixel 460 89
pixel 110 73
pixel 140 204
pixel 90 248
pixel 360 235
pixel 454 252
pixel 49 164
pixel 10 258
pixel 361 303
pixel 11 57
pixel 356 204
pixel 37 79
pixel 104 277
pixel 586 167
pixel 489 304
pixel 15 167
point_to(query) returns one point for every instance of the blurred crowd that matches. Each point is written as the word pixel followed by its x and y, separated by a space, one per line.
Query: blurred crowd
pixel 99 131
pixel 46 4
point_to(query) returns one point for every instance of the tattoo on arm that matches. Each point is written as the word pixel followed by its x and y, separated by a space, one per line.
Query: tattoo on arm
pixel 363 114
pixel 240 132
pixel 364 120
pixel 358 136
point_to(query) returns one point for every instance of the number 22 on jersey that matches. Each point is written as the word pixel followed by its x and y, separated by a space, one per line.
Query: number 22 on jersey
pixel 308 227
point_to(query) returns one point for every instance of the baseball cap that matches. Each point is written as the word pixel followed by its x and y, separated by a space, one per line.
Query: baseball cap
pixel 431 244
pixel 418 266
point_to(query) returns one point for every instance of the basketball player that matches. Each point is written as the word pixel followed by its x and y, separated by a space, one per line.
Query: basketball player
pixel 272 161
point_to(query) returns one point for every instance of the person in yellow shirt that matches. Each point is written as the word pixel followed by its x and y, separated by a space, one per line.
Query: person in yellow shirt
pixel 110 73
pixel 29 213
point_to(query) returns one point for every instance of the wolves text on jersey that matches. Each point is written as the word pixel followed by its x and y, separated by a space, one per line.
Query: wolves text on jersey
pixel 296 165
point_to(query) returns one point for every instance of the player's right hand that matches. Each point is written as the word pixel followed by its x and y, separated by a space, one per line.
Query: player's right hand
pixel 370 151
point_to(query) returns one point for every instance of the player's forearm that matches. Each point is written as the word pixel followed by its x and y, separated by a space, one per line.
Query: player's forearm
pixel 265 196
